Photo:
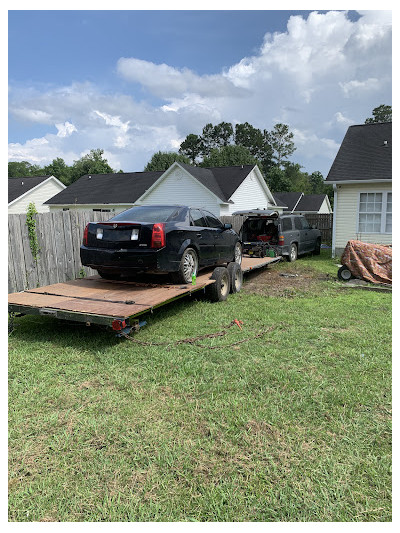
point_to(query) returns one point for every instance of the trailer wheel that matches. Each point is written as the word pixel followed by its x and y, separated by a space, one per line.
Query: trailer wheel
pixel 344 273
pixel 218 291
pixel 235 277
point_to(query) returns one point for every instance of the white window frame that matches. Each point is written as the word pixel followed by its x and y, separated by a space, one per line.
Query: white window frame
pixel 383 212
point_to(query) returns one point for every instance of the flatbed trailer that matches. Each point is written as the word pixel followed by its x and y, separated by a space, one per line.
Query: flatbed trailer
pixel 118 304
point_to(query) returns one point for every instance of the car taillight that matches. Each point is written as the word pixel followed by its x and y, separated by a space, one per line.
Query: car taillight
pixel 158 236
pixel 85 235
pixel 281 240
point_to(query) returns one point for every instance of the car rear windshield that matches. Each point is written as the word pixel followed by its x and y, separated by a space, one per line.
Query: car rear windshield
pixel 148 213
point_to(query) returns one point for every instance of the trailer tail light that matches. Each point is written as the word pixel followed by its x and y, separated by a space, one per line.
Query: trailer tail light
pixel 85 235
pixel 281 240
pixel 158 236
pixel 118 325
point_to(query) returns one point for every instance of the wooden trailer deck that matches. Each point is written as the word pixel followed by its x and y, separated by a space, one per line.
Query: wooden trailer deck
pixel 100 301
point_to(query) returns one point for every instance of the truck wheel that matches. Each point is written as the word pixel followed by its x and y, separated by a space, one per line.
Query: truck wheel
pixel 344 273
pixel 292 253
pixel 235 277
pixel 317 249
pixel 188 266
pixel 218 291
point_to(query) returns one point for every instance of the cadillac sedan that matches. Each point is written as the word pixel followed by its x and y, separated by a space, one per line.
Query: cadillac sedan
pixel 159 239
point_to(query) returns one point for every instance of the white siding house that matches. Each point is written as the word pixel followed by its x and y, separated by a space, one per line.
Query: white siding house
pixel 37 190
pixel 361 175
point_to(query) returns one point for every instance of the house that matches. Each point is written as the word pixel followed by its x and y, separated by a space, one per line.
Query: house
pixel 361 175
pixel 304 204
pixel 220 190
pixel 36 189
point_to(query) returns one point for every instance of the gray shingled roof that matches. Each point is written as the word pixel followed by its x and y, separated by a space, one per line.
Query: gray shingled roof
pixel 288 199
pixel 365 154
pixel 19 186
pixel 310 202
pixel 127 187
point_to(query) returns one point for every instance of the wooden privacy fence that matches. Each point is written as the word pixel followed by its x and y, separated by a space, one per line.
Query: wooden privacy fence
pixel 60 235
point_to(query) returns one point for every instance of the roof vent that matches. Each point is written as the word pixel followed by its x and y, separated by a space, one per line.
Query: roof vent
pixel 22 182
pixel 385 143
pixel 89 177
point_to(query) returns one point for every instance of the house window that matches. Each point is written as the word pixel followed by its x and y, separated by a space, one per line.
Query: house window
pixel 375 212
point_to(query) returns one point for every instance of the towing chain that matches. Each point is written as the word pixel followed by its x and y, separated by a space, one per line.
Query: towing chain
pixel 194 340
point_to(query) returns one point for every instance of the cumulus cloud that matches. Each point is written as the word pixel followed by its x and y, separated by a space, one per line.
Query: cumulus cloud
pixel 322 74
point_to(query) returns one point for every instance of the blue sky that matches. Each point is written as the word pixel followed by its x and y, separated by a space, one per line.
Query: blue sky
pixel 135 82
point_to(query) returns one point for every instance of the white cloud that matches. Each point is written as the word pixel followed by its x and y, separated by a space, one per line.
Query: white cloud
pixel 317 74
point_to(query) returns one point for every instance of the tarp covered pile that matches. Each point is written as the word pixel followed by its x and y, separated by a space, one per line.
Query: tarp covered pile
pixel 371 262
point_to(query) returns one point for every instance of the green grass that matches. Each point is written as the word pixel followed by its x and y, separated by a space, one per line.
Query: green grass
pixel 294 425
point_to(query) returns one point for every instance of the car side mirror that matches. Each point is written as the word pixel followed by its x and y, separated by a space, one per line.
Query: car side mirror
pixel 227 226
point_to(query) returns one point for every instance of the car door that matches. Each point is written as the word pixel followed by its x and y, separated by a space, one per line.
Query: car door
pixel 302 237
pixel 309 244
pixel 222 243
pixel 202 235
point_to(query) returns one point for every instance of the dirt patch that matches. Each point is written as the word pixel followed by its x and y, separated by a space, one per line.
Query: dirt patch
pixel 284 280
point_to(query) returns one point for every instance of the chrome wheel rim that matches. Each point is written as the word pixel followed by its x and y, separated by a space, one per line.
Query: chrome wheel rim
pixel 238 254
pixel 189 265
pixel 293 253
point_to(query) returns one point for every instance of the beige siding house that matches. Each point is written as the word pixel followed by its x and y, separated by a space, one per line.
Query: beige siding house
pixel 220 190
pixel 33 189
pixel 361 175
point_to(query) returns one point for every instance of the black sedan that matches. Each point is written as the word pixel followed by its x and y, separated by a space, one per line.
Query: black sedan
pixel 159 239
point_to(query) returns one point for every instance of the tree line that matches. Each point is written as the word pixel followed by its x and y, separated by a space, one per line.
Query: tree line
pixel 218 145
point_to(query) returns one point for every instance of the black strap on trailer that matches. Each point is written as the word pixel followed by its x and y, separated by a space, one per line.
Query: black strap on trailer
pixel 127 302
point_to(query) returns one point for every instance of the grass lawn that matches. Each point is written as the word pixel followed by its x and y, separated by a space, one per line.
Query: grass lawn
pixel 294 424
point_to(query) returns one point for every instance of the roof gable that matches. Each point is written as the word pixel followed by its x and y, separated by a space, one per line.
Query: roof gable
pixel 19 186
pixel 310 202
pixel 365 154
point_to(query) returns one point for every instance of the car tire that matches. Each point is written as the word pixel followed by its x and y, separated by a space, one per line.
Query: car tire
pixel 344 274
pixel 238 255
pixel 188 266
pixel 219 291
pixel 235 277
pixel 292 253
pixel 317 249
pixel 109 275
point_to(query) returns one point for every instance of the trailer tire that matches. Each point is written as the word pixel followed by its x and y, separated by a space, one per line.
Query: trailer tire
pixel 344 274
pixel 218 291
pixel 235 277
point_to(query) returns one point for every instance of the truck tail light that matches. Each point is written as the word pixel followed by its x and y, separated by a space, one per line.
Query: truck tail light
pixel 158 236
pixel 85 235
pixel 281 240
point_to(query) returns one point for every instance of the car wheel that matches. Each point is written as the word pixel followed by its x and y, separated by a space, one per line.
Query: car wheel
pixel 235 277
pixel 189 265
pixel 218 291
pixel 344 273
pixel 108 275
pixel 317 249
pixel 238 253
pixel 292 253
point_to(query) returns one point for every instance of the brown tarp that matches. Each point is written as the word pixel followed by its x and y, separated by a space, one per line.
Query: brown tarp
pixel 371 262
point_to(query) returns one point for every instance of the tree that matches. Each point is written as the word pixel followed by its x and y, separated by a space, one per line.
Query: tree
pixel 59 169
pixel 230 155
pixel 92 163
pixel 191 147
pixel 277 180
pixel 281 142
pixel 163 160
pixel 256 141
pixel 382 113
pixel 317 185
pixel 22 169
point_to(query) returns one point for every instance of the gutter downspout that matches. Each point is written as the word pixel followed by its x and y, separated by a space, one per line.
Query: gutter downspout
pixel 334 220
